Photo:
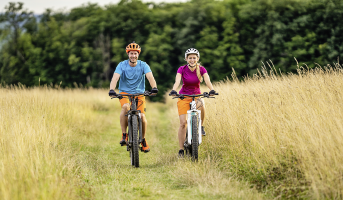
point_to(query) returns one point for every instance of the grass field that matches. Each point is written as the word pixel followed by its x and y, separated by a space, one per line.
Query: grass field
pixel 267 137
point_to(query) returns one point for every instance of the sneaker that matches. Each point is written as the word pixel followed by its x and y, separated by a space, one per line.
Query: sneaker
pixel 145 146
pixel 181 153
pixel 123 142
pixel 203 131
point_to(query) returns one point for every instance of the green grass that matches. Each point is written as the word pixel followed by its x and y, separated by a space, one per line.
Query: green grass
pixel 105 171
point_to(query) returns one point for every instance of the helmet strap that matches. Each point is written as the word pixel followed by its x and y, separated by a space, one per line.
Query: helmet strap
pixel 192 66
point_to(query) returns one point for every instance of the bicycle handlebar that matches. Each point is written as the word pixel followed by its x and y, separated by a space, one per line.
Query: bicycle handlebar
pixel 146 93
pixel 205 94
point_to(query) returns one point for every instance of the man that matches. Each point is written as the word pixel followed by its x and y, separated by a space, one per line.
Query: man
pixel 132 74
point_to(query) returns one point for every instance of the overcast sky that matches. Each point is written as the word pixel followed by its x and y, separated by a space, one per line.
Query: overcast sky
pixel 39 6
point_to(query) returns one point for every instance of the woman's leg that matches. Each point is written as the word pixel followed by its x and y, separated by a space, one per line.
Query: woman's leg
pixel 182 130
pixel 201 107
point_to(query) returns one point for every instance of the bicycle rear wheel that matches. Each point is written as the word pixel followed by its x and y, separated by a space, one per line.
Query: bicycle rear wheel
pixel 195 138
pixel 135 144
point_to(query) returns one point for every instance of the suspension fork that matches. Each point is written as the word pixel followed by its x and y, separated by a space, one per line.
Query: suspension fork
pixel 140 127
pixel 129 128
pixel 190 113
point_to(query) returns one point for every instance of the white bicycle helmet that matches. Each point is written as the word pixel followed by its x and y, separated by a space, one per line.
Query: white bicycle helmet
pixel 192 51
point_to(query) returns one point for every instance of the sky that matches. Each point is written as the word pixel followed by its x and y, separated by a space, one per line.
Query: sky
pixel 39 6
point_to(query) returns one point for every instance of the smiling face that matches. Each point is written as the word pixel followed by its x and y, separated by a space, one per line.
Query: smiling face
pixel 192 59
pixel 133 56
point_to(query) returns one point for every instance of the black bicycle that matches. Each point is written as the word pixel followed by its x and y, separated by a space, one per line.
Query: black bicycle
pixel 193 134
pixel 134 125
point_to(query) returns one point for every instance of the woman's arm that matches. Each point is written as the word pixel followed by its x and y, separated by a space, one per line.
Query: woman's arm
pixel 207 81
pixel 177 81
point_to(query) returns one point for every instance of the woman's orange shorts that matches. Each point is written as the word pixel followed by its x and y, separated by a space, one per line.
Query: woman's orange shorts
pixel 183 105
pixel 141 102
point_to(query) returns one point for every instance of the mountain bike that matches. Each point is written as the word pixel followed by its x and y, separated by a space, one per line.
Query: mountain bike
pixel 134 125
pixel 193 131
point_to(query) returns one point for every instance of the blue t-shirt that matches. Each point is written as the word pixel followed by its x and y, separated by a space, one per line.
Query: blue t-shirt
pixel 132 79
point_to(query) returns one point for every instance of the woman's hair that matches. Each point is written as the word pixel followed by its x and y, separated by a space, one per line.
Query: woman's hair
pixel 198 72
pixel 197 69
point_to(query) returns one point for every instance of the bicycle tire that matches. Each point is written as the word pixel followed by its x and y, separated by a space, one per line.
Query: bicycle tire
pixel 135 144
pixel 132 157
pixel 195 138
pixel 129 145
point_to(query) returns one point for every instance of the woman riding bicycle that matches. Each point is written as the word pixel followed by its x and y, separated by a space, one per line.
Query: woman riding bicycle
pixel 191 74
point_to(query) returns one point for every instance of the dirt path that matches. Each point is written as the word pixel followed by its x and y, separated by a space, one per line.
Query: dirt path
pixel 106 172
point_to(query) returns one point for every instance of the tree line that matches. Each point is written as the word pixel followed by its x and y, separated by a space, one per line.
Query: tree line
pixel 84 45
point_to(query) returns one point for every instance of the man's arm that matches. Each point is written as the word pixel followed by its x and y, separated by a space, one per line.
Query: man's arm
pixel 151 79
pixel 114 81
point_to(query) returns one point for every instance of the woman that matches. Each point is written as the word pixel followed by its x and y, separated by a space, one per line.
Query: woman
pixel 191 74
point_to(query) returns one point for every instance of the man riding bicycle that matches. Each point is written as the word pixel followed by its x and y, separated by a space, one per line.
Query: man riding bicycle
pixel 132 74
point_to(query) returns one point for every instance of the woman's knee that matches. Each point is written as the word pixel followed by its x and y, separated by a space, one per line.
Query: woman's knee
pixel 183 124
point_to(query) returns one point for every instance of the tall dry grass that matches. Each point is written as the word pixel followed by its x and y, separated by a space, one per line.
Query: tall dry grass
pixel 283 133
pixel 37 127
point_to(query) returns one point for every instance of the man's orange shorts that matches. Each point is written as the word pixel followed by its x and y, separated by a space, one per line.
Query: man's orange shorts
pixel 141 102
pixel 183 105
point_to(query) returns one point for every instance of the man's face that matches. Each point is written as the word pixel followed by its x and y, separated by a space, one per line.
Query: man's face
pixel 133 56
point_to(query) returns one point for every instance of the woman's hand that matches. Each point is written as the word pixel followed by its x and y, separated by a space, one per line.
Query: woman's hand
pixel 212 93
pixel 173 93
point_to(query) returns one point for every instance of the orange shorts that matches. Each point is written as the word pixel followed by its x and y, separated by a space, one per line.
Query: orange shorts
pixel 183 105
pixel 141 102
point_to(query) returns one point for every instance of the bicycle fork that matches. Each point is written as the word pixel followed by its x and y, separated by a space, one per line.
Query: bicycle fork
pixel 130 130
pixel 190 114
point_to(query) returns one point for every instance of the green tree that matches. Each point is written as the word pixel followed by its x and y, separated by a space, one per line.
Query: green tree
pixel 13 68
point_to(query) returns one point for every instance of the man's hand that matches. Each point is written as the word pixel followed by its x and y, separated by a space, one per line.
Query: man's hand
pixel 173 93
pixel 154 90
pixel 112 93
pixel 212 93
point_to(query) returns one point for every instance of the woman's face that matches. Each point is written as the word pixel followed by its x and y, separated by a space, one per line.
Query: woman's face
pixel 192 59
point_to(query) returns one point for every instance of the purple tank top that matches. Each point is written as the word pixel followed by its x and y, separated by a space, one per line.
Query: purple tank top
pixel 191 83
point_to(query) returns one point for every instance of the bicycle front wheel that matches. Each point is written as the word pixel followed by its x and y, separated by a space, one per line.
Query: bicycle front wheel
pixel 195 138
pixel 135 144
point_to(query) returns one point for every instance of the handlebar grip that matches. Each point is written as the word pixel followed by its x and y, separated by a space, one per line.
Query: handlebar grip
pixel 216 93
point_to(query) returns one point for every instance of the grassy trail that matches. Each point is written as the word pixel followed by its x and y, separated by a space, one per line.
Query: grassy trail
pixel 106 172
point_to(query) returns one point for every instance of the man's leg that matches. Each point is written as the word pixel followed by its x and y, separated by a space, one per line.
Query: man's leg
pixel 145 146
pixel 144 124
pixel 123 118
pixel 124 123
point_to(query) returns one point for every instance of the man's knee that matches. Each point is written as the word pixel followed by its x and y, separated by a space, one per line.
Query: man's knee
pixel 143 118
pixel 126 107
